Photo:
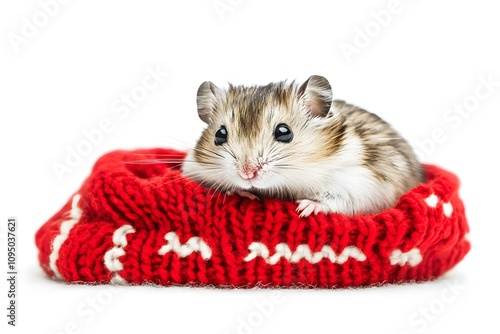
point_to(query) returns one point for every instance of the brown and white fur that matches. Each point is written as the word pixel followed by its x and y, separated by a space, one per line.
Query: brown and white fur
pixel 340 159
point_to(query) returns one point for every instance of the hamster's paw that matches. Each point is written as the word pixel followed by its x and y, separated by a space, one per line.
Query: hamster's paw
pixel 306 207
pixel 245 194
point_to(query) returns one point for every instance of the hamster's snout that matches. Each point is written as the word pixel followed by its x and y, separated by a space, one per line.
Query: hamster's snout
pixel 249 171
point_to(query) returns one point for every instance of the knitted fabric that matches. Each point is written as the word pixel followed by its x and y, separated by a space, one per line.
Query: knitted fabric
pixel 146 223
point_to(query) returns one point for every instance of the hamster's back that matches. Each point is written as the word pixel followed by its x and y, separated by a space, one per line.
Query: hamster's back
pixel 385 152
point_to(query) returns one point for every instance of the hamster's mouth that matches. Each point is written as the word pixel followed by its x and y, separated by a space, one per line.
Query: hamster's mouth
pixel 254 183
pixel 247 184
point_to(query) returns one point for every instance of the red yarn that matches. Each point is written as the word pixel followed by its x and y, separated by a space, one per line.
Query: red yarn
pixel 137 223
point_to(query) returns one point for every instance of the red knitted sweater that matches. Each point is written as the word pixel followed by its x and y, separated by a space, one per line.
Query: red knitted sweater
pixel 138 223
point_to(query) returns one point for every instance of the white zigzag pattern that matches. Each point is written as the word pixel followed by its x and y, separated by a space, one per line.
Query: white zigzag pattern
pixel 74 216
pixel 111 257
pixel 412 257
pixel 302 252
pixel 194 244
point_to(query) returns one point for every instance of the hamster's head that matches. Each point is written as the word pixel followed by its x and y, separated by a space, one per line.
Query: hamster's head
pixel 265 138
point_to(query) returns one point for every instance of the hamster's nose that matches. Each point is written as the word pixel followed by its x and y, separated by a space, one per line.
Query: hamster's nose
pixel 249 171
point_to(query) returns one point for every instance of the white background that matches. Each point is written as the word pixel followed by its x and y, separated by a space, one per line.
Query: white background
pixel 64 79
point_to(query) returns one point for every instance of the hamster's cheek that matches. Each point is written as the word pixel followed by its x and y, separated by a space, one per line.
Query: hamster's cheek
pixel 264 182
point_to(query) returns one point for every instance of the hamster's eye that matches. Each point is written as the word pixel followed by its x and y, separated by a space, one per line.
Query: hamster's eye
pixel 221 136
pixel 283 133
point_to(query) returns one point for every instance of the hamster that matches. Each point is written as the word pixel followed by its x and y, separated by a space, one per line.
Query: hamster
pixel 293 141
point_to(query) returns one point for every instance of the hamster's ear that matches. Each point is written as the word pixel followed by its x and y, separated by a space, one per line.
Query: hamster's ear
pixel 316 92
pixel 207 99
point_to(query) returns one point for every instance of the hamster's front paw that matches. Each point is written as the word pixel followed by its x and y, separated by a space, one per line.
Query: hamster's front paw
pixel 245 194
pixel 306 207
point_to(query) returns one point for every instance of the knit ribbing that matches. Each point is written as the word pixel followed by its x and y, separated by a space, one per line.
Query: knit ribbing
pixel 147 223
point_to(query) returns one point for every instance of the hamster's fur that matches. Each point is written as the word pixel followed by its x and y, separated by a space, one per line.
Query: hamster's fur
pixel 293 141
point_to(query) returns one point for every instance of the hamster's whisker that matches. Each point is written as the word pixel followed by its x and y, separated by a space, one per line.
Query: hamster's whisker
pixel 290 192
pixel 214 191
pixel 225 188
pixel 181 176
pixel 306 170
pixel 228 151
pixel 272 150
pixel 199 182
pixel 217 190
pixel 205 150
pixel 153 161
pixel 169 181
pixel 204 163
pixel 180 142
pixel 285 156
pixel 191 146
pixel 160 154
pixel 176 162
pixel 386 138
